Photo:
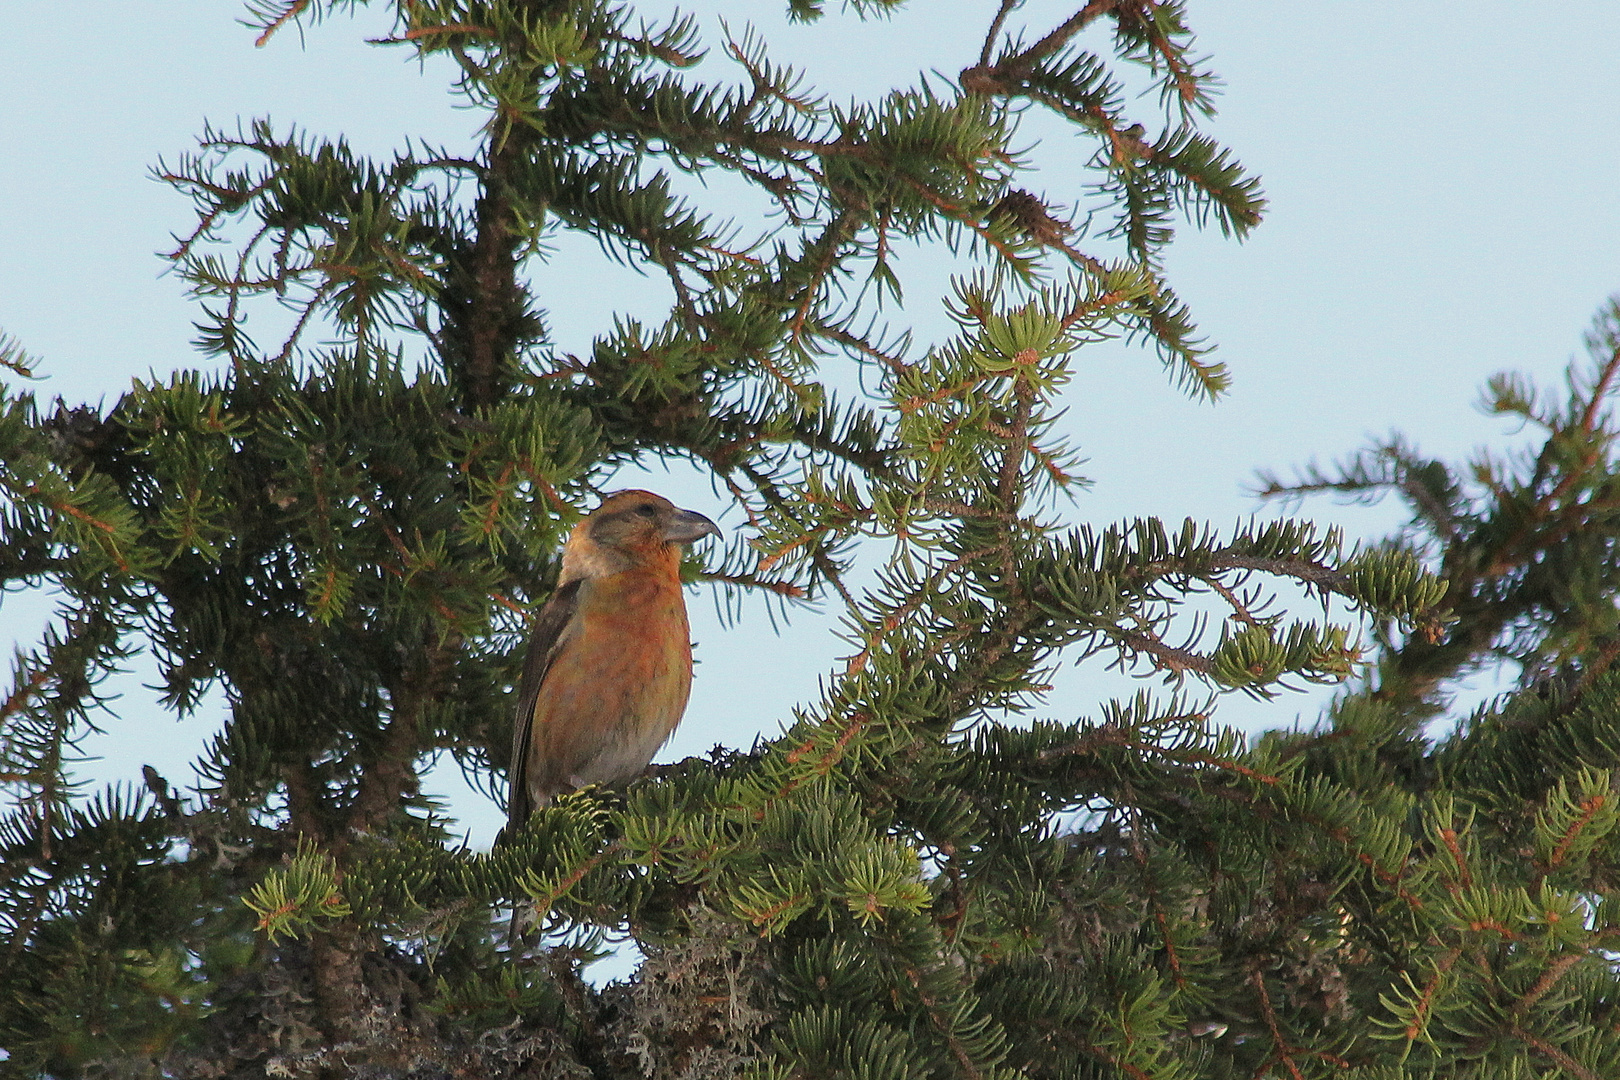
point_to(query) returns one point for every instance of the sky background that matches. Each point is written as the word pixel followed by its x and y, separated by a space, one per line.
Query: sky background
pixel 1442 184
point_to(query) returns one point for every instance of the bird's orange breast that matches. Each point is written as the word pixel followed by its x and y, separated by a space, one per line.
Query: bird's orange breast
pixel 619 683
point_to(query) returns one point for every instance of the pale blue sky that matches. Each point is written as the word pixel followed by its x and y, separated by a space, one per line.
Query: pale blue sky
pixel 1442 181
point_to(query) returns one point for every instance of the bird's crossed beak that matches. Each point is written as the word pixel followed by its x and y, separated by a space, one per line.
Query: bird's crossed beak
pixel 685 526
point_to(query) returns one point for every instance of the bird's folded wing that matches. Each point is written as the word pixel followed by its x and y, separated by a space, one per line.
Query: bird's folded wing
pixel 545 642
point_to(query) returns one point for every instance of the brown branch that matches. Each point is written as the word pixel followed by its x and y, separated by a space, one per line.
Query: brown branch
pixel 1115 736
pixel 995 29
pixel 1135 1072
pixel 902 612
pixel 1544 505
pixel 290 12
pixel 818 555
pixel 1165 657
pixel 1059 37
pixel 1284 1052
pixel 1563 1060
pixel 1426 998
pixel 494 270
pixel 1589 810
pixel 1239 609
pixel 833 237
pixel 1549 979
pixel 963 1061
pixel 303 806
pixel 1001 79
pixel 1599 389
pixel 19 697
pixel 1017 437
pixel 1151 889
pixel 1012 471
pixel 1096 303
pixel 391 773
pixel 1184 78
pixel 844 337
pixel 1311 573
pixel 943 393
pixel 387 776
pixel 754 581
pixel 857 722
pixel 1449 838
pixel 574 877
pixel 447 28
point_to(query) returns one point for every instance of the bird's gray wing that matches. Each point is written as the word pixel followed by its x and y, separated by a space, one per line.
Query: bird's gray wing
pixel 545 643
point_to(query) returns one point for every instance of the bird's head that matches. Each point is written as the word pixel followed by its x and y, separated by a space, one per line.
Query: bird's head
pixel 630 528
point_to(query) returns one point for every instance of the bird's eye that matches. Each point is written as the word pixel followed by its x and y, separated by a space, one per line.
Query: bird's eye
pixel 647 510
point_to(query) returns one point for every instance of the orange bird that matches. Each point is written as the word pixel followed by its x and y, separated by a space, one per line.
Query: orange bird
pixel 609 666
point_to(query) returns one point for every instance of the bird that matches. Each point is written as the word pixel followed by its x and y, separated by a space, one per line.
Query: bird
pixel 609 664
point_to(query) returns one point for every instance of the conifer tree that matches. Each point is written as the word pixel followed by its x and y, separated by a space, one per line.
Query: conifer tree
pixel 345 528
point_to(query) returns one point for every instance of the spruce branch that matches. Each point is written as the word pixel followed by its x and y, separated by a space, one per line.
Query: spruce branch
pixel 349 542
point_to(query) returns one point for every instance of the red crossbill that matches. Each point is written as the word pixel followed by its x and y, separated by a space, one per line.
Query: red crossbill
pixel 609 665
